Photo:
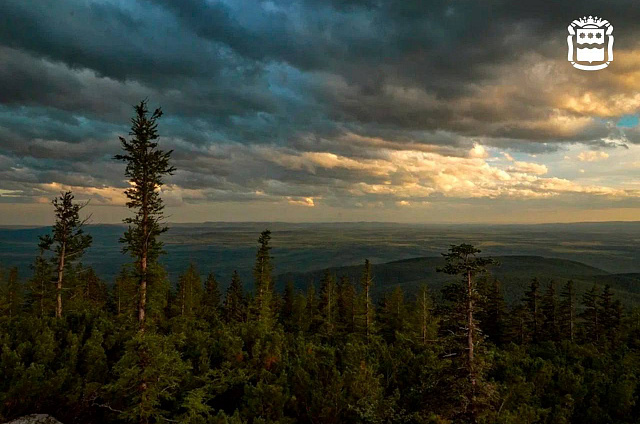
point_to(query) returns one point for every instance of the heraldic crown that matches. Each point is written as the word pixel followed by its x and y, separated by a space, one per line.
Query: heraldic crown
pixel 591 22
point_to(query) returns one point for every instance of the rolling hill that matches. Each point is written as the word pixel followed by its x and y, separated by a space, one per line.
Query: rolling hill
pixel 514 272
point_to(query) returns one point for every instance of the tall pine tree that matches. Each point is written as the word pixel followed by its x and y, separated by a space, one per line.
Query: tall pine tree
pixel 210 304
pixel 532 301
pixel 462 260
pixel 146 166
pixel 234 302
pixel 567 312
pixel 67 241
pixel 264 301
pixel 366 281
pixel 549 307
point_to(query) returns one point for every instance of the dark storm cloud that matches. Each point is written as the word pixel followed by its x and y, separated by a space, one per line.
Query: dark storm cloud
pixel 348 77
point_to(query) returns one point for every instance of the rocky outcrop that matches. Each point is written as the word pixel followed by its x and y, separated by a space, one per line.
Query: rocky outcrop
pixel 35 419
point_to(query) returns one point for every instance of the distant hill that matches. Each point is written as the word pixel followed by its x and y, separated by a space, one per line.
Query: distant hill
pixel 515 272
pixel 303 247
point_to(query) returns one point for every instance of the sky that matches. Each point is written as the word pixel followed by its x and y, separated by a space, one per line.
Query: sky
pixel 322 110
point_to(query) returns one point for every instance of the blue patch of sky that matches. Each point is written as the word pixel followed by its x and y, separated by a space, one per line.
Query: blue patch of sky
pixel 628 121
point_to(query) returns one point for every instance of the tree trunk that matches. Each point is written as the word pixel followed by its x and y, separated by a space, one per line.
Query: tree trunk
pixel 470 330
pixel 59 282
pixel 571 319
pixel 142 305
pixel 41 297
pixel 424 317
pixel 367 309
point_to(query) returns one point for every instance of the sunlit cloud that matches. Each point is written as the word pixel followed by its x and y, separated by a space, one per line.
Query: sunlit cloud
pixel 592 156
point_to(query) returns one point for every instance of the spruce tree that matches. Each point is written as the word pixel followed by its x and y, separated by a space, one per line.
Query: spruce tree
pixel 549 308
pixel 518 320
pixel 366 281
pixel 210 304
pixel 146 166
pixel 393 315
pixel 346 305
pixel 264 301
pixel 532 301
pixel 425 322
pixel 286 308
pixel 234 303
pixel 189 292
pixel 40 299
pixel 611 314
pixel 312 319
pixel 67 241
pixel 328 304
pixel 493 311
pixel 591 314
pixel 462 261
pixel 11 293
pixel 125 293
pixel 567 312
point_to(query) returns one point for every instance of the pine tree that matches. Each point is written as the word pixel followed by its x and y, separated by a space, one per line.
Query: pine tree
pixel 312 319
pixel 286 308
pixel 493 311
pixel 462 260
pixel 212 297
pixel 11 293
pixel 189 292
pixel 146 166
pixel 328 305
pixel 40 299
pixel 611 314
pixel 549 309
pixel 346 305
pixel 567 312
pixel 147 376
pixel 234 303
pixel 518 322
pixel 393 315
pixel 67 241
pixel 89 292
pixel 425 322
pixel 125 292
pixel 264 301
pixel 532 301
pixel 591 314
pixel 366 281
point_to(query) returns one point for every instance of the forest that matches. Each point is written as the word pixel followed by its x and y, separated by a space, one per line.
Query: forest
pixel 142 350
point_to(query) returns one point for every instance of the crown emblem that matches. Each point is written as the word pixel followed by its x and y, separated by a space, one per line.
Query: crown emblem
pixel 591 20
pixel 590 43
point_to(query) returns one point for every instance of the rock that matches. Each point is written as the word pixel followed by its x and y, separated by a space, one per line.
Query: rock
pixel 35 419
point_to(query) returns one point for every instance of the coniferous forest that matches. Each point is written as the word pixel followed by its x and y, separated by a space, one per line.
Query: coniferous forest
pixel 142 350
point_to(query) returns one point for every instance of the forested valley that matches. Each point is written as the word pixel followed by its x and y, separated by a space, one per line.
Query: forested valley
pixel 142 350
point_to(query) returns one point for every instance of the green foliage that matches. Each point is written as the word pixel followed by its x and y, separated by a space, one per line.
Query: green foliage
pixel 190 292
pixel 235 303
pixel 147 378
pixel 67 242
pixel 211 298
pixel 146 166
pixel 264 302
pixel 11 293
pixel 312 363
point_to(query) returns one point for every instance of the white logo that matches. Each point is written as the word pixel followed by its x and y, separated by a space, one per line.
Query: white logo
pixel 588 38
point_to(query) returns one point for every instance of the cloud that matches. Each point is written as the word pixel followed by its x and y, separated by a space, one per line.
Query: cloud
pixel 528 168
pixel 592 156
pixel 314 103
